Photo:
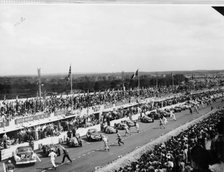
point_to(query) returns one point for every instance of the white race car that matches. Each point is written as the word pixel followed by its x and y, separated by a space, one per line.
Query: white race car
pixel 24 155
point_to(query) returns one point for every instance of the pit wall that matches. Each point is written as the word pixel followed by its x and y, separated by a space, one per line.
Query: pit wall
pixel 136 154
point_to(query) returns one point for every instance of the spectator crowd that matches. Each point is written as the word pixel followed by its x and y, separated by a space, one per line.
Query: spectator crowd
pixel 72 124
pixel 17 108
pixel 200 148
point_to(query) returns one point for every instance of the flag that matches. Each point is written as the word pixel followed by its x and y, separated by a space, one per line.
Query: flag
pixel 69 73
pixel 124 88
pixel 135 75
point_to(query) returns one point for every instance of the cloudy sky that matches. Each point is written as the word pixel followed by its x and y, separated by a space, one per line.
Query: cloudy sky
pixel 109 38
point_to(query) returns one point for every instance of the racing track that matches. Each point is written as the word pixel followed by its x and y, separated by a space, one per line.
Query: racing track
pixel 92 155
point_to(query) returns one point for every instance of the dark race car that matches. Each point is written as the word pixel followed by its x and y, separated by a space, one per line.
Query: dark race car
pixel 47 148
pixel 122 124
pixel 75 141
pixel 108 129
pixel 146 119
pixel 93 135
pixel 154 115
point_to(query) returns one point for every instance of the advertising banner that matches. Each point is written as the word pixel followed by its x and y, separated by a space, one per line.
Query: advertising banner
pixel 32 118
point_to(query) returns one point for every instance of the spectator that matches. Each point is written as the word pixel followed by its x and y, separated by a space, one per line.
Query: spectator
pixel 200 160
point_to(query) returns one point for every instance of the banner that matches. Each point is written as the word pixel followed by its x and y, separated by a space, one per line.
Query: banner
pixel 60 112
pixel 32 118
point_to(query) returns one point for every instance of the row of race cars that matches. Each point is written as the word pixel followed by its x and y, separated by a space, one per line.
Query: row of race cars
pixel 148 117
pixel 25 154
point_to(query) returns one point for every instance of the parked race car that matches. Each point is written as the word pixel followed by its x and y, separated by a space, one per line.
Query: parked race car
pixel 130 123
pixel 74 141
pixel 154 115
pixel 146 119
pixel 122 124
pixel 47 148
pixel 93 135
pixel 24 155
pixel 108 129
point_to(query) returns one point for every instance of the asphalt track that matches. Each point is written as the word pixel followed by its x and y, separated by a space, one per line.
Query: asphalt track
pixel 92 155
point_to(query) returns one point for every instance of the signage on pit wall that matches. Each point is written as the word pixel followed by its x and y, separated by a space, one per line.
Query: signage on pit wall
pixel 32 118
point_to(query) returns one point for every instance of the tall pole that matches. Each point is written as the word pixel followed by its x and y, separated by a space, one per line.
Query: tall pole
pixel 122 77
pixel 71 78
pixel 172 80
pixel 71 83
pixel 39 81
pixel 156 81
pixel 138 81
pixel 138 84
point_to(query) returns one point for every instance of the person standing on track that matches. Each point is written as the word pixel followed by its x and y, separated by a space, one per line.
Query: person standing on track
pixel 52 156
pixel 66 155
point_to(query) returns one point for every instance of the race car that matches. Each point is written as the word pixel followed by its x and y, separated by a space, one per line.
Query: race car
pixel 108 129
pixel 93 135
pixel 130 123
pixel 146 119
pixel 47 148
pixel 154 115
pixel 24 155
pixel 75 141
pixel 123 124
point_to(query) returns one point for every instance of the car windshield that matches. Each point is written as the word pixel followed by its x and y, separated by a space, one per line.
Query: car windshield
pixel 24 149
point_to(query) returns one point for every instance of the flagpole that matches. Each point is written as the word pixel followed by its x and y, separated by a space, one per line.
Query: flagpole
pixel 122 75
pixel 138 84
pixel 172 80
pixel 39 81
pixel 71 85
pixel 71 78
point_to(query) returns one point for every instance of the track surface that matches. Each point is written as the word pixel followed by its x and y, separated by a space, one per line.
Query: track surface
pixel 92 155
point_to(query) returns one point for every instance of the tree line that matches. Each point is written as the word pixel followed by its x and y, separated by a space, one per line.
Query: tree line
pixel 24 87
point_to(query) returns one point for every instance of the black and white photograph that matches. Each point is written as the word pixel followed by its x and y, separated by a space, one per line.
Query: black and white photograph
pixel 111 88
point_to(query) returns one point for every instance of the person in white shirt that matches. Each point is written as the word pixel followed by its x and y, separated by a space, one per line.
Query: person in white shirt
pixel 172 116
pixel 52 156
pixel 105 141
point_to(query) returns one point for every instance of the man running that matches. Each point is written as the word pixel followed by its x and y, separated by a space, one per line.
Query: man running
pixel 66 155
pixel 172 116
pixel 126 128
pixel 161 124
pixel 105 141
pixel 119 140
pixel 137 127
pixel 165 121
pixel 52 156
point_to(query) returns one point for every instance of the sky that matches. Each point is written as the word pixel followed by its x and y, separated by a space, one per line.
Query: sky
pixel 109 38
